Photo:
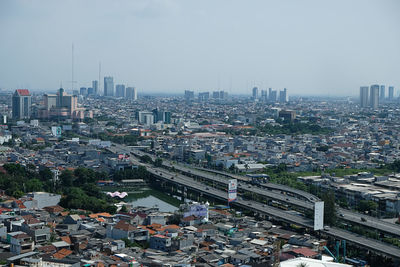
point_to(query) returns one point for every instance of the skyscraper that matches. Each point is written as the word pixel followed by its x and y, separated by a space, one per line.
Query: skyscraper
pixel 83 91
pixel 108 86
pixel 120 90
pixel 273 95
pixel 391 92
pixel 264 95
pixel 283 97
pixel 21 104
pixel 189 95
pixel 364 96
pixel 374 96
pixel 95 86
pixel 255 92
pixel 382 93
pixel 131 93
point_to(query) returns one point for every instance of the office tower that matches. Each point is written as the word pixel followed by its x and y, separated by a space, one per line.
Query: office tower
pixel 90 91
pixel 273 95
pixel 264 95
pixel 189 95
pixel 215 95
pixel 374 96
pixel 108 86
pixel 50 101
pixel 391 92
pixel 167 117
pixel 21 104
pixel 131 93
pixel 364 96
pixel 83 91
pixel 255 92
pixel 95 86
pixel 223 95
pixel 283 97
pixel 382 93
pixel 120 90
pixel 204 96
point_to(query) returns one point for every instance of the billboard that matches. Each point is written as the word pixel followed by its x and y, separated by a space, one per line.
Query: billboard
pixel 232 190
pixel 318 215
pixel 196 210
pixel 56 131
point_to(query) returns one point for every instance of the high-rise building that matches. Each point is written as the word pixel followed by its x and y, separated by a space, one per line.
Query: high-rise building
pixel 120 90
pixel 215 94
pixel 95 86
pixel 131 93
pixel 283 97
pixel 83 91
pixel 255 92
pixel 108 86
pixel 382 93
pixel 90 91
pixel 364 96
pixel 374 96
pixel 223 95
pixel 391 92
pixel 189 95
pixel 204 96
pixel 264 95
pixel 273 95
pixel 21 104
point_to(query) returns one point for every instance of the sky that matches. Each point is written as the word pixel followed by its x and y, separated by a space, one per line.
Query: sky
pixel 310 47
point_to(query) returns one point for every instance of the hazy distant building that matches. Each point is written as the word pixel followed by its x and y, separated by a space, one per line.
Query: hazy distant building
pixel 283 96
pixel 273 95
pixel 255 92
pixel 62 106
pixel 374 96
pixel 95 86
pixel 223 95
pixel 90 91
pixel 131 93
pixel 189 95
pixel 391 92
pixel 83 91
pixel 382 93
pixel 264 95
pixel 108 86
pixel 215 94
pixel 120 90
pixel 21 104
pixel 364 96
pixel 205 96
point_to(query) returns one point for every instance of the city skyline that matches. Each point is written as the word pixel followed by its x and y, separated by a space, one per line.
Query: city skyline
pixel 163 45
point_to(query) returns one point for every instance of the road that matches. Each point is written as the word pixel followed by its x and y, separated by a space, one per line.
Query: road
pixel 278 213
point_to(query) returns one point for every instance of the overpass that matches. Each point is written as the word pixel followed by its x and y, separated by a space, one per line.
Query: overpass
pixel 346 215
pixel 284 216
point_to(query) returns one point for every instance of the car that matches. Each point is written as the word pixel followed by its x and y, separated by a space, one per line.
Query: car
pixel 207 188
pixel 341 215
pixel 326 228
pixel 363 219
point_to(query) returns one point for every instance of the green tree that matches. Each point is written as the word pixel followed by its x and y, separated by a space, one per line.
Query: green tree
pixel 34 185
pixel 67 178
pixel 329 208
pixel 158 162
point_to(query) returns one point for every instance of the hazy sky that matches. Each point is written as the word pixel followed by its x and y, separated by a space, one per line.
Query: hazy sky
pixel 308 46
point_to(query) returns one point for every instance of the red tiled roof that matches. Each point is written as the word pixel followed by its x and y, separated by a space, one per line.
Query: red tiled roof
pixel 306 252
pixel 23 92
pixel 62 253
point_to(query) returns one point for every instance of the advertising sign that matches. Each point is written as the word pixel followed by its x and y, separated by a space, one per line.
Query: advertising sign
pixel 232 190
pixel 319 215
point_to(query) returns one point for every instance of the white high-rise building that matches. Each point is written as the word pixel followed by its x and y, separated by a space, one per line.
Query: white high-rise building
pixel 108 86
pixel 364 96
pixel 374 96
